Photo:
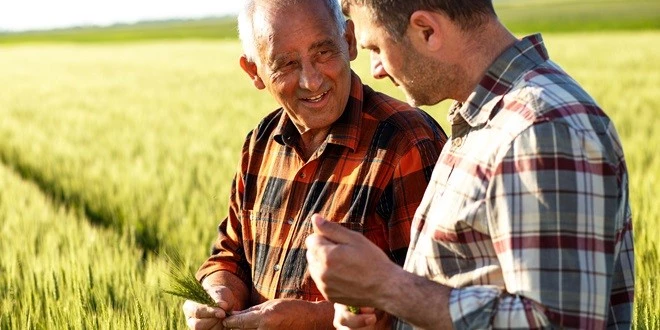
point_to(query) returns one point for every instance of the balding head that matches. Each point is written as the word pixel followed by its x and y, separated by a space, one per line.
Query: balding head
pixel 262 10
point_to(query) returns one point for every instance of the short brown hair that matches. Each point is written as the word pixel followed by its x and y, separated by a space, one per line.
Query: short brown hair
pixel 394 15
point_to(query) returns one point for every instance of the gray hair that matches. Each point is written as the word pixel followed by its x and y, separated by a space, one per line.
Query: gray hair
pixel 246 27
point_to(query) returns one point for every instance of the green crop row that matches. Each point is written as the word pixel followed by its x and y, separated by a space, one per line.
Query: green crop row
pixel 113 153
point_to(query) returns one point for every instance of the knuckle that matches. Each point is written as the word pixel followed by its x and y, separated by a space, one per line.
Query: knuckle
pixel 200 312
pixel 188 308
pixel 191 323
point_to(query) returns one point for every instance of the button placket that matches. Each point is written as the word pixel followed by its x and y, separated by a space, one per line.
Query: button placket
pixel 457 142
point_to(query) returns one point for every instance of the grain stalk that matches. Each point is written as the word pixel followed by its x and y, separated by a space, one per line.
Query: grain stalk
pixel 182 282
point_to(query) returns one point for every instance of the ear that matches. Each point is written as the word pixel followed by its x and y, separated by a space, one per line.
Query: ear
pixel 349 35
pixel 426 27
pixel 251 69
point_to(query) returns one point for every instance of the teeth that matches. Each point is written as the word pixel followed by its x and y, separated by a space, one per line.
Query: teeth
pixel 316 99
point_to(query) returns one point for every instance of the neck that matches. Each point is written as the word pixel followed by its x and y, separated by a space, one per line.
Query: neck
pixel 483 47
pixel 311 140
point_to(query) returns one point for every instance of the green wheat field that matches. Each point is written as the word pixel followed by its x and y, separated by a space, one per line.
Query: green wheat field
pixel 114 151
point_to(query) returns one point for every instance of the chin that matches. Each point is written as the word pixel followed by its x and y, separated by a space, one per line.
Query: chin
pixel 420 99
pixel 414 102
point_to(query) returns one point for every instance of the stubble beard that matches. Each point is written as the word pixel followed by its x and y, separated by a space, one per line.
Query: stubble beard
pixel 429 81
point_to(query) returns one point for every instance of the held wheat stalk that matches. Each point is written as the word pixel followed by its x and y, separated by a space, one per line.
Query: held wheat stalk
pixel 182 282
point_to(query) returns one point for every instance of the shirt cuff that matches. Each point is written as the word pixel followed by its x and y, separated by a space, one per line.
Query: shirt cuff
pixel 473 307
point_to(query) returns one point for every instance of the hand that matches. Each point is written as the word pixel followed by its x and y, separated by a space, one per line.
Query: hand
pixel 202 317
pixel 282 314
pixel 346 266
pixel 347 320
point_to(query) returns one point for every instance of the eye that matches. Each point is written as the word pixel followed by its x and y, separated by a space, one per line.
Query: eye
pixel 324 54
pixel 372 48
pixel 285 65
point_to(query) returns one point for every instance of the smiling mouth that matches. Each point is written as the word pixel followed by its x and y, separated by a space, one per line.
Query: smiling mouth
pixel 316 98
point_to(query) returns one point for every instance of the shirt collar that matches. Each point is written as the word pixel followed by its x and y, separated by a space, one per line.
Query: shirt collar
pixel 523 55
pixel 345 131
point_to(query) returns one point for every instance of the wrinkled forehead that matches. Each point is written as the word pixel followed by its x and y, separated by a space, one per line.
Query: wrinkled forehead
pixel 289 27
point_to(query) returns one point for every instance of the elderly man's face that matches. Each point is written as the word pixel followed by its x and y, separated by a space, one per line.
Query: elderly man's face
pixel 304 62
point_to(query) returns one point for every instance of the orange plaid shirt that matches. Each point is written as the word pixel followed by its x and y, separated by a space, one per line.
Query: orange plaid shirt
pixel 369 175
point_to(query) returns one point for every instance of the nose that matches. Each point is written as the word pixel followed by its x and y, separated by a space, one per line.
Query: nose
pixel 310 78
pixel 377 70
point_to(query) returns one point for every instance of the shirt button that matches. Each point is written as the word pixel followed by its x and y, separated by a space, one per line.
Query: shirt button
pixel 302 175
pixel 457 142
pixel 290 221
pixel 277 268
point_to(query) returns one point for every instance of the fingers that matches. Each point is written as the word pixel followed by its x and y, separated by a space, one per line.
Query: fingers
pixel 200 311
pixel 332 231
pixel 317 221
pixel 367 310
pixel 203 324
pixel 202 317
pixel 344 319
pixel 247 319
pixel 222 296
pixel 341 308
pixel 354 321
pixel 326 237
pixel 316 246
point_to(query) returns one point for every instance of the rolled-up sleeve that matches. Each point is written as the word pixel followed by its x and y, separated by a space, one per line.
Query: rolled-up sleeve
pixel 227 251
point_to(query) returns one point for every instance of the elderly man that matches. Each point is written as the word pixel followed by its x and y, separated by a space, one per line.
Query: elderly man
pixel 335 147
pixel 526 222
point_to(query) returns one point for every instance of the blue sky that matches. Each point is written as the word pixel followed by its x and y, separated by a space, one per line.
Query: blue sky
pixel 17 15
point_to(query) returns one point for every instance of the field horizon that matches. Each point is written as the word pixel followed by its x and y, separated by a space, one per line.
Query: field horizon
pixel 520 16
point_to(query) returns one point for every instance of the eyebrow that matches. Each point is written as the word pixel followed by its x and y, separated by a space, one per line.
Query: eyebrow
pixel 279 58
pixel 314 46
pixel 323 43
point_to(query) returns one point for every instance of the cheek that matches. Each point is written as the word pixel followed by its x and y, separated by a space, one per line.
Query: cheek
pixel 387 63
pixel 334 68
pixel 284 87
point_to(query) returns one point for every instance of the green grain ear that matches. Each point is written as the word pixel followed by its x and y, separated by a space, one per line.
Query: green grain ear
pixel 353 309
pixel 182 282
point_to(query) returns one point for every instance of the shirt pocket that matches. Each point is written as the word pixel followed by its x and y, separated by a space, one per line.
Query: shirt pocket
pixel 457 227
pixel 258 237
pixel 462 205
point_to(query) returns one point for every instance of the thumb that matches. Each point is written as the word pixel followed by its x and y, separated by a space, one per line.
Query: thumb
pixel 332 231
pixel 222 297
